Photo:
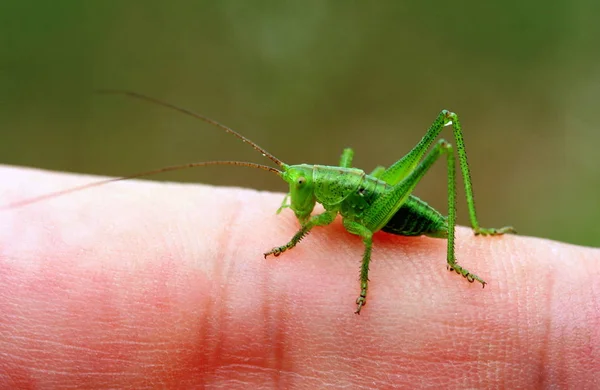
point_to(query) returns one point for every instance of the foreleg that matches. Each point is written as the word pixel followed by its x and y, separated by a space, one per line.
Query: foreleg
pixel 316 220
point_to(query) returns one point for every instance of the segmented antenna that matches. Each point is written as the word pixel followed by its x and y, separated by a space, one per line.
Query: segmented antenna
pixel 197 116
pixel 51 195
pixel 165 169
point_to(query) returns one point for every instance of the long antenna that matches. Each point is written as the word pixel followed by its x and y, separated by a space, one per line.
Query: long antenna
pixel 197 116
pixel 147 173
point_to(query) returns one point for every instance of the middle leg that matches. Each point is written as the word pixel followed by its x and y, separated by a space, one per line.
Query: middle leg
pixel 346 159
pixel 367 236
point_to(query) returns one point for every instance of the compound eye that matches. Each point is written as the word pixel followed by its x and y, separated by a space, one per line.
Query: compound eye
pixel 301 180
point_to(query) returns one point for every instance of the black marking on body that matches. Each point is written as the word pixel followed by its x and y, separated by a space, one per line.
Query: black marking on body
pixel 416 218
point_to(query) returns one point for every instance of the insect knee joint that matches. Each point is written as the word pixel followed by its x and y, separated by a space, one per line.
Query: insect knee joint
pixel 445 144
pixel 449 117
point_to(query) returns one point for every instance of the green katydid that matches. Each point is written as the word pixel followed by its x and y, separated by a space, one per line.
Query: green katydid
pixel 367 203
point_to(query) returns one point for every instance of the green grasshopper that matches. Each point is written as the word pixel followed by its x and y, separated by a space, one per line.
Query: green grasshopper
pixel 368 203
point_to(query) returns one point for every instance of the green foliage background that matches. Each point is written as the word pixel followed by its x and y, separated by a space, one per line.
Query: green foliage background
pixel 305 79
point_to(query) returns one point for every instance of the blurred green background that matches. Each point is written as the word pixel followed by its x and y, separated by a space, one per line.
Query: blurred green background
pixel 305 79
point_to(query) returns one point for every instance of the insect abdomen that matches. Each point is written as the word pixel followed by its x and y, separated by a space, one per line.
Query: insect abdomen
pixel 416 218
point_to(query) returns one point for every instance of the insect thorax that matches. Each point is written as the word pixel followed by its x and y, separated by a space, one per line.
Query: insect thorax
pixel 352 192
pixel 334 185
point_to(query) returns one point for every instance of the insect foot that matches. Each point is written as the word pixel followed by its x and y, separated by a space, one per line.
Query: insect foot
pixel 494 231
pixel 362 299
pixel 360 302
pixel 275 251
pixel 466 274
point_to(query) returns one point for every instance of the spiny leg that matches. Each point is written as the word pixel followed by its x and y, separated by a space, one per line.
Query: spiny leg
pixel 464 167
pixel 407 164
pixel 367 236
pixel 450 255
pixel 389 203
pixel 403 167
pixel 346 159
pixel 316 220
pixel 386 206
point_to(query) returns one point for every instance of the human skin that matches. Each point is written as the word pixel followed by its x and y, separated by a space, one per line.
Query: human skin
pixel 138 284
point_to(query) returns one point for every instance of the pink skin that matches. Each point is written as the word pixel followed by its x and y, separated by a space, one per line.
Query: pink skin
pixel 137 284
